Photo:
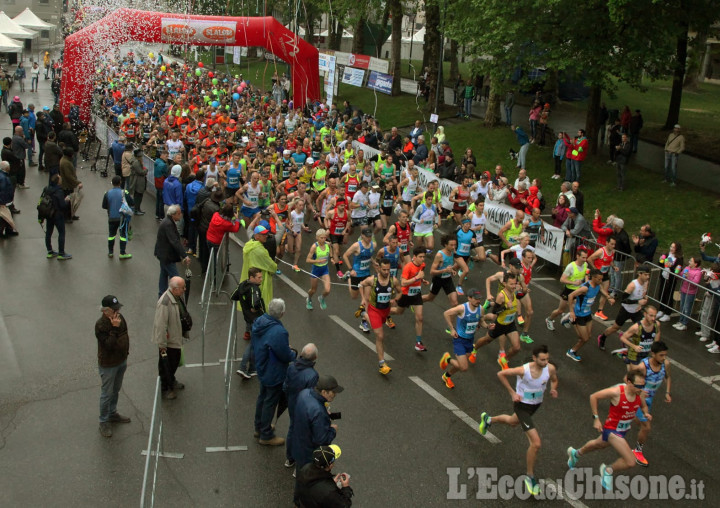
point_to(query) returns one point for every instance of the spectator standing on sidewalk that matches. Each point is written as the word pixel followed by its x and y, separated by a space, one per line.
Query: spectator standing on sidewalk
pixel 672 263
pixel 272 356
pixel 636 124
pixel 674 146
pixel 168 335
pixel 301 374
pixel 111 332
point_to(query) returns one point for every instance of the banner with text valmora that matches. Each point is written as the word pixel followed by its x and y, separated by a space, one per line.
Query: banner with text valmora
pixel 188 31
pixel 549 247
pixel 380 82
pixel 352 76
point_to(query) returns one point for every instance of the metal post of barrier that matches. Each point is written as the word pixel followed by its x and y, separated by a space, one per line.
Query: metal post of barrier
pixel 230 352
pixel 205 298
pixel 157 453
pixel 221 265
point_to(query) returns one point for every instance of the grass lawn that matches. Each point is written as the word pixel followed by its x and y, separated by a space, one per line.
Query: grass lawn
pixel 699 113
pixel 646 200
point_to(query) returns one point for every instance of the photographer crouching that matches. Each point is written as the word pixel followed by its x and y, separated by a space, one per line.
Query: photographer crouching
pixel 317 487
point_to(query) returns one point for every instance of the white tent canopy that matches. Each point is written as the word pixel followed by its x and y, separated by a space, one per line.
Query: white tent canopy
pixel 28 19
pixel 418 37
pixel 8 45
pixel 11 29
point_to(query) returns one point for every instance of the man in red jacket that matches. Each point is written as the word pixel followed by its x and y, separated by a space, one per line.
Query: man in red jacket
pixel 578 154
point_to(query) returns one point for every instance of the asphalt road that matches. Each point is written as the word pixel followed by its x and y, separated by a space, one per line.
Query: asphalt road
pixel 406 439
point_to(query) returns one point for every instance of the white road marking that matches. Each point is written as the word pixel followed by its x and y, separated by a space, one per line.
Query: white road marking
pixel 9 366
pixel 364 340
pixel 453 408
pixel 562 495
pixel 709 380
pixel 293 286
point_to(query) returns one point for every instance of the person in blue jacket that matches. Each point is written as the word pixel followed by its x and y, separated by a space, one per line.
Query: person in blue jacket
pixel 272 356
pixel 300 375
pixel 172 193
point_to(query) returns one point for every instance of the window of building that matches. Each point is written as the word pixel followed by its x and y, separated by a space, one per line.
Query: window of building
pixel 44 34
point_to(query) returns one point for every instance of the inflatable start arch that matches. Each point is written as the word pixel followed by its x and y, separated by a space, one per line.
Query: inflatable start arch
pixel 84 47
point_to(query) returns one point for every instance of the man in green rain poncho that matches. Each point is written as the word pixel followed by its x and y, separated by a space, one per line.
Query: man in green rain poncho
pixel 255 255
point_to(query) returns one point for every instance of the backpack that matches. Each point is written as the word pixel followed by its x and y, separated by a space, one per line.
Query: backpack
pixel 542 204
pixel 45 207
pixel 196 210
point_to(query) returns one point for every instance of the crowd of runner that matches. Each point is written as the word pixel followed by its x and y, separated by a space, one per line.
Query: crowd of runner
pixel 357 214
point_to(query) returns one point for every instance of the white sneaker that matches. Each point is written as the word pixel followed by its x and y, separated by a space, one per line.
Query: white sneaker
pixel 714 350
pixel 665 318
pixel 710 346
pixel 681 327
pixel 550 324
pixel 660 314
pixel 703 338
pixel 699 333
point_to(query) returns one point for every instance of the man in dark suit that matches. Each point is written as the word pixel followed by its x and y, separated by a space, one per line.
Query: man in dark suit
pixel 168 248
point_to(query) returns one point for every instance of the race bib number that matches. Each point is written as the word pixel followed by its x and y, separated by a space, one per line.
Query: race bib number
pixel 623 425
pixel 253 199
pixel 352 188
pixel 532 396
pixel 471 327
pixel 387 203
pixel 364 264
pixel 393 272
pixel 605 269
pixel 510 317
pixel 464 249
pixel 383 298
pixel 339 230
pixel 413 290
pixel 403 247
pixel 428 222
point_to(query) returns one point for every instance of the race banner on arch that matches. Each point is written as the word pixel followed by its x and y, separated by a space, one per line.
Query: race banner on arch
pixel 193 31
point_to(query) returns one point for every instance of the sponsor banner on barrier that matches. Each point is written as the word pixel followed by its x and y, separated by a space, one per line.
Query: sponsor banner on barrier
pixel 353 76
pixel 183 30
pixel 379 65
pixel 380 82
pixel 549 247
pixel 446 187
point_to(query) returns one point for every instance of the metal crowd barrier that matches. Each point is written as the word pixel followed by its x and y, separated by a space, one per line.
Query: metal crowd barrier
pixel 665 294
pixel 222 261
pixel 205 300
pixel 625 263
pixel 230 353
pixel 154 450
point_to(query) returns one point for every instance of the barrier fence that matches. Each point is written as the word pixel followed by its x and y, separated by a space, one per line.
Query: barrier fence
pixel 230 352
pixel 154 450
pixel 672 293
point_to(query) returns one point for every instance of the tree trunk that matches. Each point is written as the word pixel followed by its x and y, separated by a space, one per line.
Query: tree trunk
pixel 395 9
pixel 380 41
pixel 678 77
pixel 310 29
pixel 695 60
pixel 454 67
pixel 336 35
pixel 492 111
pixel 359 38
pixel 591 118
pixel 551 85
pixel 431 53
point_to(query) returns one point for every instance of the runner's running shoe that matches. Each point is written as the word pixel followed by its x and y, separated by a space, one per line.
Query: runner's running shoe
pixel 323 304
pixel 640 458
pixel 502 361
pixel 600 315
pixel 573 457
pixel 573 355
pixel 550 324
pixel 448 382
pixel 526 338
pixel 384 369
pixel 606 478
pixel 472 357
pixel 444 361
pixel 390 323
pixel 532 486
pixel 484 423
pixel 420 347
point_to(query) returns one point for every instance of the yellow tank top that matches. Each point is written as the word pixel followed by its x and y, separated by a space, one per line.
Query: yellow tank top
pixel 507 315
pixel 512 233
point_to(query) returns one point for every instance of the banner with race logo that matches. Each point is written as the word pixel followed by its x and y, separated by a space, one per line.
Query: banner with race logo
pixel 380 82
pixel 549 247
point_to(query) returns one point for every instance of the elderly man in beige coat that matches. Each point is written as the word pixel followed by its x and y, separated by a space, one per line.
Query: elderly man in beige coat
pixel 168 335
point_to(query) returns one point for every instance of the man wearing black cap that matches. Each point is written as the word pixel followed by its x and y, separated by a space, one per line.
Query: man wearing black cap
pixel 113 346
pixel 317 487
pixel 312 425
